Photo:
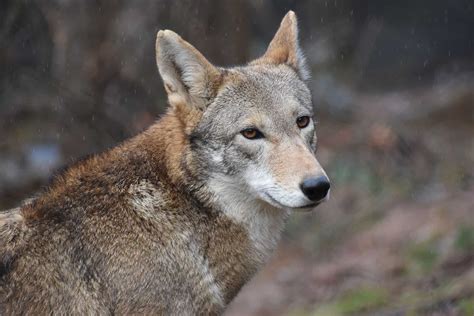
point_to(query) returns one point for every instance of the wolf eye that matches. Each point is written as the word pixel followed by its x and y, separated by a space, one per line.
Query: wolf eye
pixel 302 121
pixel 252 133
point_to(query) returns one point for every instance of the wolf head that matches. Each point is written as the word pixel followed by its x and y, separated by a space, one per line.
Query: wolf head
pixel 250 129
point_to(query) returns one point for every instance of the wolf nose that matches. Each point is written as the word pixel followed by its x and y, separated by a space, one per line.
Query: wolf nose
pixel 315 189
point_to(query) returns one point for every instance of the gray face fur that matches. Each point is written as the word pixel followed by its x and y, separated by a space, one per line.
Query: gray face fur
pixel 270 99
pixel 269 95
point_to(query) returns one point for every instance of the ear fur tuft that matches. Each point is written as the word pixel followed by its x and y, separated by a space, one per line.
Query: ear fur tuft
pixel 186 73
pixel 285 49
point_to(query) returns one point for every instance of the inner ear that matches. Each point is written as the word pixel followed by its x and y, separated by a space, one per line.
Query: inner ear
pixel 188 76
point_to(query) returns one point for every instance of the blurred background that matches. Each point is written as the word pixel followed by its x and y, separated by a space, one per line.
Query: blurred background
pixel 393 90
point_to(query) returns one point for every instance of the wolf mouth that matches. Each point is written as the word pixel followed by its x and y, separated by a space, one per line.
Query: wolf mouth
pixel 310 205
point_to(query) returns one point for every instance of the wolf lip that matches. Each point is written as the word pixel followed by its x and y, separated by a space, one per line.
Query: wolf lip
pixel 310 205
pixel 274 201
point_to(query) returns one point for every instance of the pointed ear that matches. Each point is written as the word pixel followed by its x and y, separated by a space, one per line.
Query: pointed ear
pixel 188 77
pixel 285 49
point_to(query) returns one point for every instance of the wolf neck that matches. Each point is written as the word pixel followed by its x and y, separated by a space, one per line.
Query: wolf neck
pixel 167 143
pixel 263 223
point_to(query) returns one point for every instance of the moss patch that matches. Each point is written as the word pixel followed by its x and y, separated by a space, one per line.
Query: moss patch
pixel 465 238
pixel 466 306
pixel 355 301
pixel 423 256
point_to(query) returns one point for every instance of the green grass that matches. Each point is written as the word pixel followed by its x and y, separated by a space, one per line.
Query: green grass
pixel 355 301
pixel 466 307
pixel 423 256
pixel 465 238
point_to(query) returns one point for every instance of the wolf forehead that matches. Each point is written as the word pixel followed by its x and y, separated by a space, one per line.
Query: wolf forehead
pixel 275 89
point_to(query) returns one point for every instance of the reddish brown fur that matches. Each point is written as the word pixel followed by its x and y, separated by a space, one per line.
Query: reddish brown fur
pixel 88 205
pixel 136 230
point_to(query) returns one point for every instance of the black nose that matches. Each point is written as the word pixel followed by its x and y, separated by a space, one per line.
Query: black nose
pixel 315 189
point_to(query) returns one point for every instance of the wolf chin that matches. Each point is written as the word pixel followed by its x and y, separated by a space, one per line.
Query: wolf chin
pixel 178 218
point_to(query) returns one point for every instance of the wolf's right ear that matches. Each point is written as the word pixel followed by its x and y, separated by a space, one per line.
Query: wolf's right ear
pixel 285 48
pixel 188 76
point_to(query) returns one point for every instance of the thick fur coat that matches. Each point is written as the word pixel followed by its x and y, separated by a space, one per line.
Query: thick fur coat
pixel 177 219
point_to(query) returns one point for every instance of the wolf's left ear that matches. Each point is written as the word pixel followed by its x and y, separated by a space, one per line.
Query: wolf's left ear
pixel 188 77
pixel 285 48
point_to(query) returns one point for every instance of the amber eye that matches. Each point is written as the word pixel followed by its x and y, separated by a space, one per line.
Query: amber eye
pixel 252 133
pixel 302 121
